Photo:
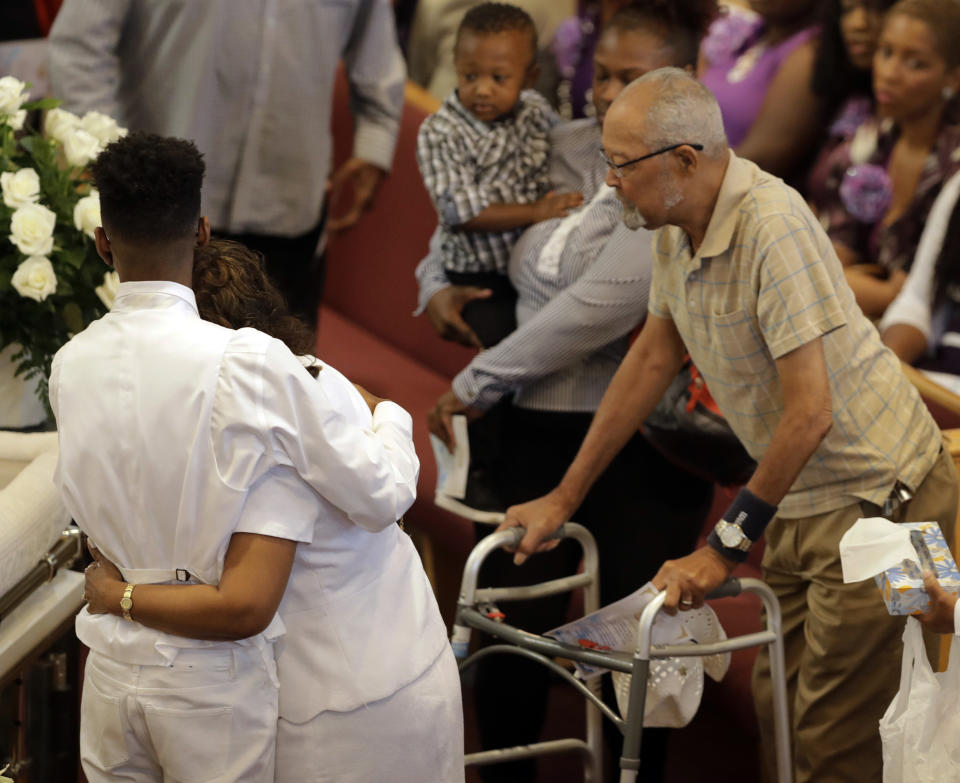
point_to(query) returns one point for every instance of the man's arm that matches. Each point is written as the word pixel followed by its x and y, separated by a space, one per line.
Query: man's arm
pixel 376 74
pixel 604 304
pixel 84 60
pixel 642 378
pixel 807 417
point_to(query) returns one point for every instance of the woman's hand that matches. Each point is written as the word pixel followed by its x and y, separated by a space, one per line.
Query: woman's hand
pixel 103 584
pixel 371 399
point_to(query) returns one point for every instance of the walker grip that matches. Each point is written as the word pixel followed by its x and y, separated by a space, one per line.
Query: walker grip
pixel 728 589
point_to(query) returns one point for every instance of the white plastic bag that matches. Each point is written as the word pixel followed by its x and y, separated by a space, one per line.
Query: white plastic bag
pixel 920 730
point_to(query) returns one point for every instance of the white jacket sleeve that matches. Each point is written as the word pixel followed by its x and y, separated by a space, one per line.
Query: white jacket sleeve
pixel 270 411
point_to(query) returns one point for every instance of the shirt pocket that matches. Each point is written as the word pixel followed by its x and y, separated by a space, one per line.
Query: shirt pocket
pixel 732 347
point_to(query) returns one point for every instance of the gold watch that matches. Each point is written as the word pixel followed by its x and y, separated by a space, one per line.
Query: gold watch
pixel 126 603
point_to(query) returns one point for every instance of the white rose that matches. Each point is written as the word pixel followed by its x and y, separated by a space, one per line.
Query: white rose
pixel 12 95
pixel 35 278
pixel 107 291
pixel 31 229
pixel 101 127
pixel 20 187
pixel 80 147
pixel 58 123
pixel 86 214
pixel 16 120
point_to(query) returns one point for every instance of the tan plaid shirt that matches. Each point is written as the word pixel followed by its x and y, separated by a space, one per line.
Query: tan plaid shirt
pixel 766 281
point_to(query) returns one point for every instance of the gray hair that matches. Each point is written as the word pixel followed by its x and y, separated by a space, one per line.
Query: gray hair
pixel 683 110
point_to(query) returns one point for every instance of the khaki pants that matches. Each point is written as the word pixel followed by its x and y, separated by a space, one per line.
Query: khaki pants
pixel 842 649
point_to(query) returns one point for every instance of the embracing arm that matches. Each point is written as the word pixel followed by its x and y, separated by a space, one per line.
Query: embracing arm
pixel 255 573
pixel 644 375
pixel 270 412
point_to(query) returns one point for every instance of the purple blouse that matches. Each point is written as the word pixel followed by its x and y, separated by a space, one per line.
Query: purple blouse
pixel 740 86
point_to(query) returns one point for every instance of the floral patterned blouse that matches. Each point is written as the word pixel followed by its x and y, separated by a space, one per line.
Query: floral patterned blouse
pixel 850 190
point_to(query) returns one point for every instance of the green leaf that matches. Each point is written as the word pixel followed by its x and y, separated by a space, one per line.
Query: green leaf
pixel 73 317
pixel 42 103
pixel 74 256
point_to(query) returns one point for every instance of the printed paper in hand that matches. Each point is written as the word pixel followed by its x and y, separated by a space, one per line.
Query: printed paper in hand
pixel 452 468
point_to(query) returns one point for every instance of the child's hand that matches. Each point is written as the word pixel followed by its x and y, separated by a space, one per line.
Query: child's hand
pixel 555 205
pixel 939 617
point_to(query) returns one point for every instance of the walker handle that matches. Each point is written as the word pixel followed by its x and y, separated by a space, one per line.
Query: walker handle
pixel 520 532
pixel 728 589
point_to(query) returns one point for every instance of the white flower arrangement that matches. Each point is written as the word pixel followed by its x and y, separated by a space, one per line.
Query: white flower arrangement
pixel 52 282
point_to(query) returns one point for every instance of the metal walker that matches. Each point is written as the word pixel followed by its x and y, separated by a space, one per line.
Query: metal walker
pixel 472 614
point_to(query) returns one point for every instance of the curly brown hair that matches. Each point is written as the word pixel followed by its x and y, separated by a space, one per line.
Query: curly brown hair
pixel 233 290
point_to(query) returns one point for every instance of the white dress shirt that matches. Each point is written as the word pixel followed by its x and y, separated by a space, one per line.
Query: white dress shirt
pixel 165 424
pixel 360 615
pixel 249 81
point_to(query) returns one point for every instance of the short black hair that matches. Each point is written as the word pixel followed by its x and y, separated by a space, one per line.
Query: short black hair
pixel 150 187
pixel 490 18
pixel 681 23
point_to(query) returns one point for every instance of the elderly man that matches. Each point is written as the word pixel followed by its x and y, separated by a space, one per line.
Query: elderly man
pixel 746 279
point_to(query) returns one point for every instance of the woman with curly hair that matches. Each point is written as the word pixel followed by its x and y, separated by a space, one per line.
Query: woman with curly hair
pixel 364 657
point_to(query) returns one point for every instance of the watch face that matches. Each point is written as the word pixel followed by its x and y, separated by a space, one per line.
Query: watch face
pixel 126 603
pixel 731 536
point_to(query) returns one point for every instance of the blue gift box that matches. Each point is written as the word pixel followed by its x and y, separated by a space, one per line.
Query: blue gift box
pixel 902 585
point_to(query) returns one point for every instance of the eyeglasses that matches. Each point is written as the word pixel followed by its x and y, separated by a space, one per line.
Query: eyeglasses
pixel 619 167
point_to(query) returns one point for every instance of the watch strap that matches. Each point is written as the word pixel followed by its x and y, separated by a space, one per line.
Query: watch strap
pixel 126 602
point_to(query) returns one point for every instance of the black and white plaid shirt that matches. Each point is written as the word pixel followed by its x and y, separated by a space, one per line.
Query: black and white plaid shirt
pixel 468 164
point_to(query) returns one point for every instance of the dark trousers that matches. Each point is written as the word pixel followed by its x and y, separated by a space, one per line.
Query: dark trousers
pixel 641 511
pixel 294 267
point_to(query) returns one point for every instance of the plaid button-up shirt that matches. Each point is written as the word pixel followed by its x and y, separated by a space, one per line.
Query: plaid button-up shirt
pixel 468 164
pixel 764 282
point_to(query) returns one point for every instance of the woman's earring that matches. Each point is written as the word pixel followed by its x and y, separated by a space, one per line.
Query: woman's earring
pixel 948 93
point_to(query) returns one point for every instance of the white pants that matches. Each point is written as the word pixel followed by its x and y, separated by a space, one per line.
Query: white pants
pixel 413 736
pixel 210 717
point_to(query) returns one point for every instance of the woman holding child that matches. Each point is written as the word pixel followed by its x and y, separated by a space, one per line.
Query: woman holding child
pixel 582 282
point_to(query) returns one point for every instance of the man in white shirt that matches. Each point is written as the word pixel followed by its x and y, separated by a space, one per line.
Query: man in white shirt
pixel 166 422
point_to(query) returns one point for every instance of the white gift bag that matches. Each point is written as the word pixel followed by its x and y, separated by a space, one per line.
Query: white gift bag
pixel 920 730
